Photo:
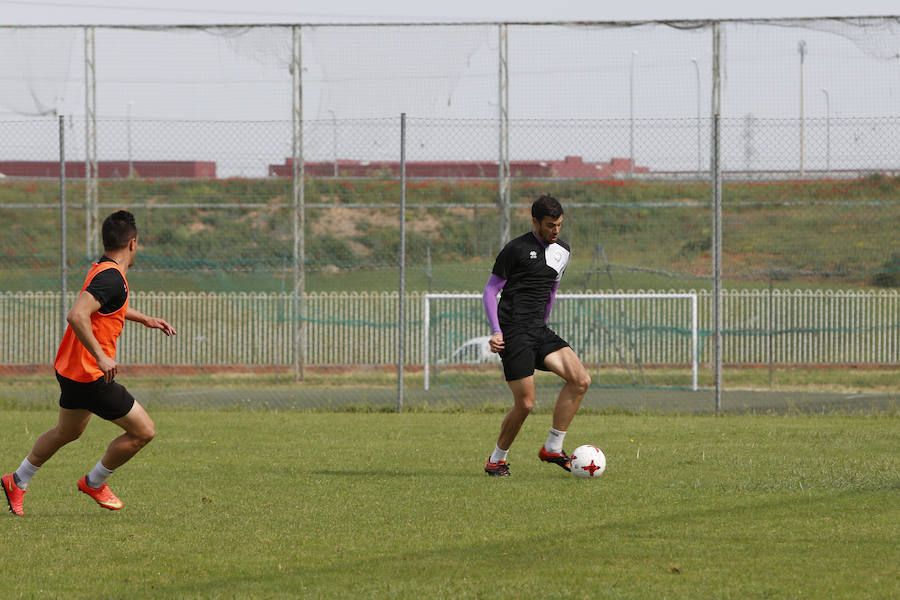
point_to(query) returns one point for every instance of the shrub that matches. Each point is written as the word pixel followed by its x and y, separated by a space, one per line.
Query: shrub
pixel 889 276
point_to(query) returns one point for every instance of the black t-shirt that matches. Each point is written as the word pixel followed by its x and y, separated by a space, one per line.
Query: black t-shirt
pixel 530 270
pixel 108 287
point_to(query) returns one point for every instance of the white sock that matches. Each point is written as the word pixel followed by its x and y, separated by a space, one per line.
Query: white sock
pixel 24 473
pixel 498 455
pixel 98 475
pixel 554 441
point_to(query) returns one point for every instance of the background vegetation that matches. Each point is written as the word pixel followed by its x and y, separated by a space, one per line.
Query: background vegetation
pixel 236 235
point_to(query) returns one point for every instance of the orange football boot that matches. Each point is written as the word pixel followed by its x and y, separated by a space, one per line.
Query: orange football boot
pixel 14 494
pixel 101 495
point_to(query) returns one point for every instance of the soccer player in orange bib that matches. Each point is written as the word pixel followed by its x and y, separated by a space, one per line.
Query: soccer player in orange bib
pixel 86 368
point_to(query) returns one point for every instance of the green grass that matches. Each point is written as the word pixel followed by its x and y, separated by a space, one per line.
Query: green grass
pixel 312 505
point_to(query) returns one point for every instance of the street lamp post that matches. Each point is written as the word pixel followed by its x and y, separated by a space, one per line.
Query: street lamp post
pixel 631 115
pixel 827 131
pixel 699 124
pixel 334 140
pixel 801 48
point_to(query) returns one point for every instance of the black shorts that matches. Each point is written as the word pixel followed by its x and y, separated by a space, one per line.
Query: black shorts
pixel 109 401
pixel 525 351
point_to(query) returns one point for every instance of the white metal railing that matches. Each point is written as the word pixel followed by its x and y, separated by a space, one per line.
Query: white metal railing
pixel 782 327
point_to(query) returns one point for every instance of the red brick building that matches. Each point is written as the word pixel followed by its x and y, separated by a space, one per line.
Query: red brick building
pixel 570 167
pixel 112 169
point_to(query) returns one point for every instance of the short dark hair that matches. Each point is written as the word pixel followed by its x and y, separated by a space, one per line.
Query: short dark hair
pixel 546 206
pixel 118 229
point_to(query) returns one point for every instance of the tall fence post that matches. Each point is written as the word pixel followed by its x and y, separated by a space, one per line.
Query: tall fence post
pixel 801 48
pixel 298 323
pixel 401 300
pixel 63 259
pixel 503 116
pixel 716 169
pixel 90 144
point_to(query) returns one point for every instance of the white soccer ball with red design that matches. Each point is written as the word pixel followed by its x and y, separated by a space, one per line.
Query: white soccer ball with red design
pixel 588 462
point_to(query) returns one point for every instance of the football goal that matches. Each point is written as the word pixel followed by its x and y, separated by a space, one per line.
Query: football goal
pixel 649 339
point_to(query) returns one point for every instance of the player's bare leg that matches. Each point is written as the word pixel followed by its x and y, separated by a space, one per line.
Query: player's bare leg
pixel 139 431
pixel 523 403
pixel 565 363
pixel 69 427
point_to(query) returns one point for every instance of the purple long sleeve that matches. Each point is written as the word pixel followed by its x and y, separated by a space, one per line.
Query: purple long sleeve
pixel 551 301
pixel 489 298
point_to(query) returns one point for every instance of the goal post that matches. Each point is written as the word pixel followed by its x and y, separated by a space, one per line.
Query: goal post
pixel 607 328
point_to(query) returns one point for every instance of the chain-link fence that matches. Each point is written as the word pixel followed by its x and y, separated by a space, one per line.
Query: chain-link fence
pixel 263 166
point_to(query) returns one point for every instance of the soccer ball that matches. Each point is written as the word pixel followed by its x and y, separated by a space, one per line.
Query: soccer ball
pixel 588 461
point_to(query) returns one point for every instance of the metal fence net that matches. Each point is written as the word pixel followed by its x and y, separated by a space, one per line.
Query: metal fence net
pixel 809 201
pixel 275 248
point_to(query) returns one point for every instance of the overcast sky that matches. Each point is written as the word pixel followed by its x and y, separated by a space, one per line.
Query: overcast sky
pixel 218 81
pixel 105 12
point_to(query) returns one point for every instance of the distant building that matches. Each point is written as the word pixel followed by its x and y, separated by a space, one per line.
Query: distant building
pixel 568 168
pixel 571 167
pixel 113 169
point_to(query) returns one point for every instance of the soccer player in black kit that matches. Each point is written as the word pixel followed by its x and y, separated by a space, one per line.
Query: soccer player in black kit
pixel 528 271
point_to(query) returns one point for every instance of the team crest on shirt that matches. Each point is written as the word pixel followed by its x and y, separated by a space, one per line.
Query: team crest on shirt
pixel 532 254
pixel 557 258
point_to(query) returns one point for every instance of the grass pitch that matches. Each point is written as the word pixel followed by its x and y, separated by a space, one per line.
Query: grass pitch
pixel 368 505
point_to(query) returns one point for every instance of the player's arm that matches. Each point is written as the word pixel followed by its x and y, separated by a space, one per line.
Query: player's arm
pixel 551 301
pixel 79 318
pixel 489 299
pixel 151 322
